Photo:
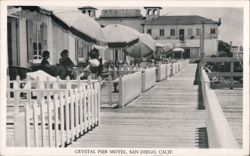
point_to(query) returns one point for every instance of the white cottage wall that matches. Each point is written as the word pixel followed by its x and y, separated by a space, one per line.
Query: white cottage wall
pixel 23 43
pixel 72 48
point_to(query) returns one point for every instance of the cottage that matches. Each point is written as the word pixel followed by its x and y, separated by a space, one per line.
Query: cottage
pixel 32 29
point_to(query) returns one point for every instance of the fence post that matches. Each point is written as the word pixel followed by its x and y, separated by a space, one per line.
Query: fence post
pixel 29 91
pixel 121 99
pixel 99 103
pixel 110 89
pixel 143 79
pixel 231 70
pixel 171 69
pixel 19 130
pixel 17 94
pixel 68 85
pixel 89 90
pixel 78 81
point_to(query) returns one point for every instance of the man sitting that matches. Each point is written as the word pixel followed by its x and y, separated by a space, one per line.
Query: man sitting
pixel 67 64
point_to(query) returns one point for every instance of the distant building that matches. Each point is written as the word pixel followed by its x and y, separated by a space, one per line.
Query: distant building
pixel 182 31
pixel 237 51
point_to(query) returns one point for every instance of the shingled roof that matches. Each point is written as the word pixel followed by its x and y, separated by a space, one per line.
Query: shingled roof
pixel 179 20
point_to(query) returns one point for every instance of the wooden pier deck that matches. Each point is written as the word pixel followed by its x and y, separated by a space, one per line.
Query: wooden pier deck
pixel 231 101
pixel 166 116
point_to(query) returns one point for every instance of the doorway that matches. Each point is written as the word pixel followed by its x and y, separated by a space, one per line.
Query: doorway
pixel 186 53
pixel 181 34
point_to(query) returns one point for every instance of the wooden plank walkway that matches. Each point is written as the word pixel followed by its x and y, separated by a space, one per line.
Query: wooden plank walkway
pixel 165 116
pixel 231 101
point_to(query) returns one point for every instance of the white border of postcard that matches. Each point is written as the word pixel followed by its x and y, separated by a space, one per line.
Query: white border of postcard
pixel 175 151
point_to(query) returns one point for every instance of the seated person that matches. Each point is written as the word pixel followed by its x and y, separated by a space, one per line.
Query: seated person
pixel 67 64
pixel 53 70
pixel 94 64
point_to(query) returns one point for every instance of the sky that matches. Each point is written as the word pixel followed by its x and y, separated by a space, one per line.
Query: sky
pixel 231 28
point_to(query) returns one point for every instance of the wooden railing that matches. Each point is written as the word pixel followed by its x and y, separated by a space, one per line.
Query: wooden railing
pixel 129 88
pixel 218 131
pixel 148 79
pixel 53 117
pixel 231 73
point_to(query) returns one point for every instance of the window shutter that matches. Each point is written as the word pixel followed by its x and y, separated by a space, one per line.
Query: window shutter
pixel 44 36
pixel 29 32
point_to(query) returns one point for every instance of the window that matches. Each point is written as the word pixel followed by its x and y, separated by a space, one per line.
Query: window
pixel 161 32
pixel 149 31
pixel 83 48
pixel 36 40
pixel 172 32
pixel 212 31
pixel 37 50
pixel 190 32
pixel 198 31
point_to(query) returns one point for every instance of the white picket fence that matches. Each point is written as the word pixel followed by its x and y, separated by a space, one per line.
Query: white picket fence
pixel 166 70
pixel 161 72
pixel 129 88
pixel 132 85
pixel 169 69
pixel 219 132
pixel 55 112
pixel 148 79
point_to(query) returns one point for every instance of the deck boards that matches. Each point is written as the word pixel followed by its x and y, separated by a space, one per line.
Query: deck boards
pixel 165 116
pixel 231 101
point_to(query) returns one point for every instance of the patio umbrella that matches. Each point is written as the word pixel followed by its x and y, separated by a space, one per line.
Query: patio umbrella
pixel 81 24
pixel 143 48
pixel 119 36
pixel 168 47
pixel 165 47
pixel 178 50
pixel 158 44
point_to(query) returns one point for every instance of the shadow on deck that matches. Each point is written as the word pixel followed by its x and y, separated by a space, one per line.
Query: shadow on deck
pixel 202 139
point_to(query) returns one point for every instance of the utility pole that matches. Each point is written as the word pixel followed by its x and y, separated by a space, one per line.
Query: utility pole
pixel 202 53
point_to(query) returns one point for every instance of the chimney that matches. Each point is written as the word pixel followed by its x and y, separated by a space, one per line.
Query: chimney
pixel 152 12
pixel 88 10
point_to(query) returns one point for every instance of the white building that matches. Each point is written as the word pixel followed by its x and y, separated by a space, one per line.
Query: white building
pixel 182 31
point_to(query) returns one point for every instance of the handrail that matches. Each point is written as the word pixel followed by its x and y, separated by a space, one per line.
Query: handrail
pixel 219 132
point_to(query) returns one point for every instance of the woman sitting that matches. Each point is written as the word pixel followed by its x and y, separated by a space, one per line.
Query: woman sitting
pixel 94 65
pixel 53 70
